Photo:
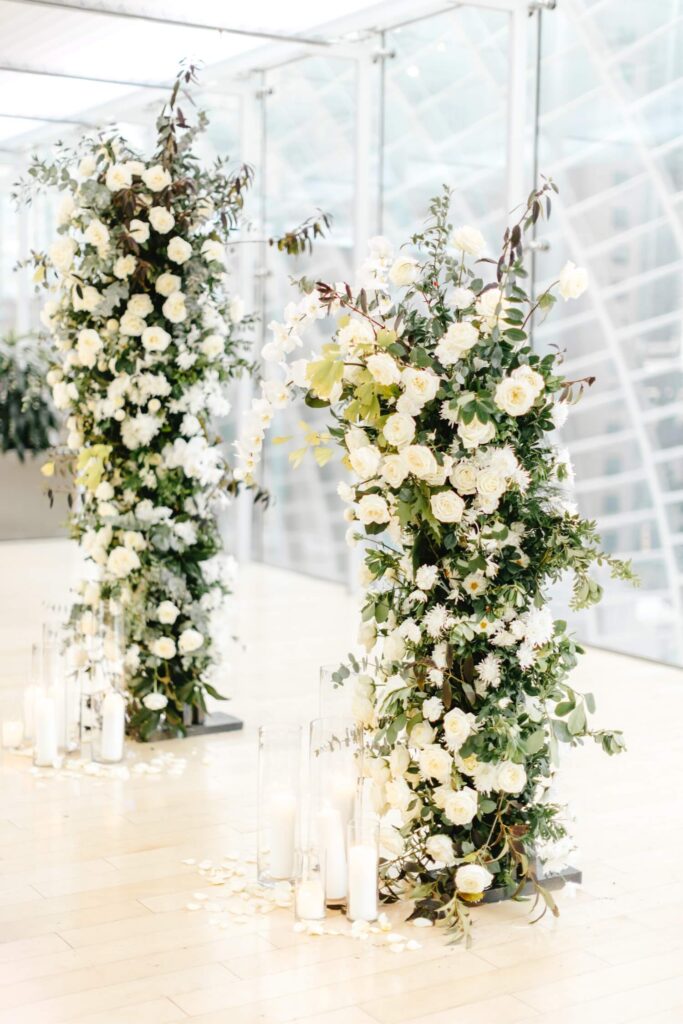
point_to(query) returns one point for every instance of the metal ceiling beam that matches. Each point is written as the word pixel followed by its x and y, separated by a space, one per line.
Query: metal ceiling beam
pixel 24 70
pixel 49 120
pixel 177 22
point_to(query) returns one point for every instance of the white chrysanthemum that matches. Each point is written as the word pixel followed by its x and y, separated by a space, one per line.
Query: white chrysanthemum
pixel 437 620
pixel 432 709
pixel 426 576
pixel 488 670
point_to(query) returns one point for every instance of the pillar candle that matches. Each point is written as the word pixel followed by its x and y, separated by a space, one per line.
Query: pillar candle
pixel 45 725
pixel 282 834
pixel 29 704
pixel 342 795
pixel 310 900
pixel 332 832
pixel 362 883
pixel 113 727
pixel 12 733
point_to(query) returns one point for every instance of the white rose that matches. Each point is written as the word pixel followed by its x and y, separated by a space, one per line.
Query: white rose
pixel 487 307
pixel 458 339
pixel 97 234
pixel 190 640
pixel 135 166
pixel 122 561
pixel 161 219
pixel 212 346
pixel 447 506
pixel 420 461
pixel 88 346
pixel 460 806
pixel 178 250
pixel 87 166
pixel 485 776
pixel 399 760
pixel 155 339
pixel 372 508
pixel 139 230
pixel 355 438
pixel 167 283
pixel 156 178
pixel 124 266
pixel 573 281
pixel 468 240
pixel 514 395
pixel 440 848
pixel 139 305
pixel 132 326
pixel 464 477
pixel 64 394
pixel 384 369
pixel 404 272
pixel 422 735
pixel 174 308
pixel 399 794
pixel 163 647
pixel 118 176
pixel 394 470
pixel 399 430
pixel 167 613
pixel 457 726
pixel 155 701
pixel 420 385
pixel 510 777
pixel 462 298
pixel 365 461
pixel 88 299
pixel 435 762
pixel 472 879
pixel 532 377
pixel 62 254
pixel 236 309
pixel 104 492
pixel 213 251
pixel 475 432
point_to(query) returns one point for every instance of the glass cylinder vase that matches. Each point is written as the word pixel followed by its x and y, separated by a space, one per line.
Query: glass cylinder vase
pixel 363 859
pixel 309 885
pixel 55 721
pixel 279 787
pixel 11 719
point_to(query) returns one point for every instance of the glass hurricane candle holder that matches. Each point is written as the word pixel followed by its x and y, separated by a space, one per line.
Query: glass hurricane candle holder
pixel 309 885
pixel 363 861
pixel 55 720
pixel 108 725
pixel 11 719
pixel 334 692
pixel 279 787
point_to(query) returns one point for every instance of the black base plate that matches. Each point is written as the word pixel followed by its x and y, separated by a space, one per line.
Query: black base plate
pixel 216 722
pixel 548 882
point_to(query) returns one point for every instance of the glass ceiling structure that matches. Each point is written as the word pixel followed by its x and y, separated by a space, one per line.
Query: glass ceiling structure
pixel 366 116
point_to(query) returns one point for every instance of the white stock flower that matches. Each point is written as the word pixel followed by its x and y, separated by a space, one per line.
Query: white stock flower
pixel 178 250
pixel 447 506
pixel 163 647
pixel 161 219
pixel 441 850
pixel 124 267
pixel 399 430
pixel 155 339
pixel 472 879
pixel 138 431
pixel 476 433
pixel 372 508
pixel 435 762
pixel 456 342
pixel 573 281
pixel 384 369
pixel 420 461
pixel 457 726
pixel 174 308
pixel 156 178
pixel 510 777
pixel 514 395
pixel 190 640
pixel 468 240
pixel 122 561
pixel 404 272
pixel 88 346
pixel 118 176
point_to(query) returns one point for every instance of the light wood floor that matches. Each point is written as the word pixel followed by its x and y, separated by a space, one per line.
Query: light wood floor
pixel 94 925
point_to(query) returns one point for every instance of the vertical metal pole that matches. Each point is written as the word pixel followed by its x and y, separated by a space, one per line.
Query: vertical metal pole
pixel 516 135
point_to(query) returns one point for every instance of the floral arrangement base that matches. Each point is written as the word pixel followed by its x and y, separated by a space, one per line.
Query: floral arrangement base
pixel 552 882
pixel 218 721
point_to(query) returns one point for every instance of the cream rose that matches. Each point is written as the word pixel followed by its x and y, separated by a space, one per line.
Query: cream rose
pixel 487 307
pixel 490 484
pixel 88 346
pixel 163 647
pixel 472 879
pixel 384 369
pixel 139 305
pixel 464 477
pixel 514 395
pixel 420 386
pixel 404 272
pixel 178 250
pixel 435 762
pixel 190 640
pixel 118 176
pixel 372 508
pixel 139 230
pixel 447 506
pixel 156 339
pixel 573 281
pixel 394 470
pixel 399 430
pixel 167 283
pixel 440 848
pixel 122 561
pixel 212 346
pixel 460 806
pixel 124 266
pixel 132 326
pixel 457 726
pixel 365 461
pixel 167 613
pixel 420 461
pixel 97 234
pixel 62 254
pixel 476 433
pixel 468 240
pixel 456 342
pixel 510 777
pixel 161 219
pixel 88 299
pixel 532 377
pixel 174 308
pixel 422 735
pixel 213 251
pixel 156 178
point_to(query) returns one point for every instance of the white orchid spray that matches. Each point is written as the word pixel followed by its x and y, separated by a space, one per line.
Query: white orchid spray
pixel 147 335
pixel 446 418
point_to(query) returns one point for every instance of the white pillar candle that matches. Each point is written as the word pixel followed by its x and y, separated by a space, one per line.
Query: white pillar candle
pixel 29 704
pixel 342 795
pixel 362 883
pixel 12 733
pixel 113 727
pixel 282 834
pixel 332 832
pixel 45 723
pixel 310 900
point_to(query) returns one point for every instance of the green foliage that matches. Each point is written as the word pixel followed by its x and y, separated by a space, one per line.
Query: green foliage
pixel 28 422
